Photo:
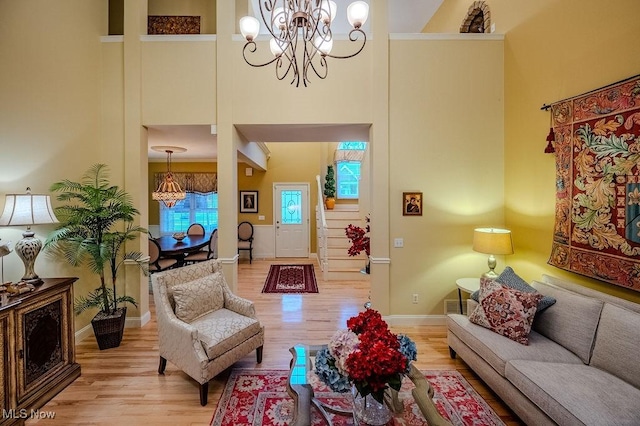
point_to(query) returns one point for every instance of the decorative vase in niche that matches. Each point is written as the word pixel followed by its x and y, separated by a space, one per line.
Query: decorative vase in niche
pixel 368 410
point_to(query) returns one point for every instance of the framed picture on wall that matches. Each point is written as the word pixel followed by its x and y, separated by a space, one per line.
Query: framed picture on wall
pixel 248 201
pixel 412 203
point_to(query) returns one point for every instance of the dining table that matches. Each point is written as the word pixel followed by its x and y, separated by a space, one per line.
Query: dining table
pixel 178 249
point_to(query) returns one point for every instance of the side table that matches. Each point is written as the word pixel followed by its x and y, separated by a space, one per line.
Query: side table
pixel 468 285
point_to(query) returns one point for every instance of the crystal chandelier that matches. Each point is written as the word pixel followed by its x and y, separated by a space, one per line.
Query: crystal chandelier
pixel 169 191
pixel 302 27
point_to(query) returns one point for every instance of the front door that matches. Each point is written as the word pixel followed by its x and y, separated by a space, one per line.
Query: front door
pixel 292 219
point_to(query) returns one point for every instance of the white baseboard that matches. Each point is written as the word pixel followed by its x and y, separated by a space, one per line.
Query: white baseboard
pixel 134 322
pixel 411 320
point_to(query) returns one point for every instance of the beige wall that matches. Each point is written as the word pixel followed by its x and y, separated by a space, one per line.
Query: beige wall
pixel 551 53
pixel 178 82
pixel 50 110
pixel 445 141
pixel 343 97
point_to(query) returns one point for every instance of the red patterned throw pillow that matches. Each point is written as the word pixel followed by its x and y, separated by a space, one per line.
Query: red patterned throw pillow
pixel 506 311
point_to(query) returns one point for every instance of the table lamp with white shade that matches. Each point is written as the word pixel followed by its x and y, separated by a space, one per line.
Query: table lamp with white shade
pixel 28 209
pixel 492 241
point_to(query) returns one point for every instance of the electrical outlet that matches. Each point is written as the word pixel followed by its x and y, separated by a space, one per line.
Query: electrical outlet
pixel 415 298
pixel 398 242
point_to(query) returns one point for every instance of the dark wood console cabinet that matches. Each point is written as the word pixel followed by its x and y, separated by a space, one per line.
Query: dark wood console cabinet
pixel 37 349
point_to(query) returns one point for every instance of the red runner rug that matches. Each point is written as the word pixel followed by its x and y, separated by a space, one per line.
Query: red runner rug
pixel 291 279
pixel 259 397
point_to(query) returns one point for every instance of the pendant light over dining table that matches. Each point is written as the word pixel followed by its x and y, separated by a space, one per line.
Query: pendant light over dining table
pixel 169 191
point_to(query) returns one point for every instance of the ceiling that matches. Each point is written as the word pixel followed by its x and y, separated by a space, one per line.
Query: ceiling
pixel 405 16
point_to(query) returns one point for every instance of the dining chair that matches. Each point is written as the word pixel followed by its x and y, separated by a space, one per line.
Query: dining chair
pixel 196 229
pixel 245 238
pixel 210 253
pixel 156 262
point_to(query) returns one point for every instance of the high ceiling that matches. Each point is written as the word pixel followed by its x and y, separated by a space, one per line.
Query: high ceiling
pixel 405 16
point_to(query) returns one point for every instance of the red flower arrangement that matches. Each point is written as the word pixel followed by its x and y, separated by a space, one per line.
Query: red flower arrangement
pixel 367 355
pixel 359 238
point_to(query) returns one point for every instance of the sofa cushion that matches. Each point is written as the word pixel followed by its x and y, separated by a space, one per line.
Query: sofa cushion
pixel 589 292
pixel 616 346
pixel 497 350
pixel 509 278
pixel 506 311
pixel 198 297
pixel 220 331
pixel 576 394
pixel 572 321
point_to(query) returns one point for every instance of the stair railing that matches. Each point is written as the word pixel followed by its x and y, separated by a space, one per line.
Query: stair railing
pixel 321 232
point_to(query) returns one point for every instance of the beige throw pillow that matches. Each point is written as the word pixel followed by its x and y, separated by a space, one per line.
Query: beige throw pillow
pixel 198 297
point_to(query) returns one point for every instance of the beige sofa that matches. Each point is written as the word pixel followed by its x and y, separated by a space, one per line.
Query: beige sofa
pixel 582 364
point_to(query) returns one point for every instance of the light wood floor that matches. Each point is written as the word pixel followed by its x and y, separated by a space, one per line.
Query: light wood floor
pixel 121 385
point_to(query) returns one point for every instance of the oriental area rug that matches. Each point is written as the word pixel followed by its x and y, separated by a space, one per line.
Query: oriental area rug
pixel 291 279
pixel 597 226
pixel 259 397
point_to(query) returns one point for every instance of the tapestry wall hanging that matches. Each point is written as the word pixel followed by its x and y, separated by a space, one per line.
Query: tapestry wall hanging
pixel 597 215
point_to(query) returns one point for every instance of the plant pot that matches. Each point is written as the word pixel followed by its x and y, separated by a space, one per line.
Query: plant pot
pixel 109 328
pixel 330 203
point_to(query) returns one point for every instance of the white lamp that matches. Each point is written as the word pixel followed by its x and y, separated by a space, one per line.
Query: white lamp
pixel 28 209
pixel 492 241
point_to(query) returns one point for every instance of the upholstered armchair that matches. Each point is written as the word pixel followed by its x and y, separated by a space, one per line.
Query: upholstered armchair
pixel 203 328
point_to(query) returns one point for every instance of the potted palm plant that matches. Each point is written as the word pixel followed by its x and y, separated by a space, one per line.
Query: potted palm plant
pixel 330 189
pixel 95 223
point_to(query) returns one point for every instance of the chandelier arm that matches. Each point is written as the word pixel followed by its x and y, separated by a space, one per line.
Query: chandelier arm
pixel 269 6
pixel 279 65
pixel 323 64
pixel 251 47
pixel 353 36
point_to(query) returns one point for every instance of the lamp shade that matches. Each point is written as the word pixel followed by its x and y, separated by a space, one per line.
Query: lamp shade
pixel 492 241
pixel 249 27
pixel 27 209
pixel 357 13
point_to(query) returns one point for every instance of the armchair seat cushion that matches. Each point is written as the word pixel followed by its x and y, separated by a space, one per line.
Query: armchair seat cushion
pixel 222 330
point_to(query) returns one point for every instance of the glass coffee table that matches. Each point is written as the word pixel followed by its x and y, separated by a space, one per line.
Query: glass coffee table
pixel 299 387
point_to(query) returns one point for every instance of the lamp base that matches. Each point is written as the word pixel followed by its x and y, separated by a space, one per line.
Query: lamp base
pixel 28 249
pixel 490 275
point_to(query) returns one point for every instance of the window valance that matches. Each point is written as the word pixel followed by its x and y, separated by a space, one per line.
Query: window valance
pixel 202 183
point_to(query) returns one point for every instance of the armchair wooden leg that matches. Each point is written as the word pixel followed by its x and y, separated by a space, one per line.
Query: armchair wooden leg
pixel 204 393
pixel 259 354
pixel 162 366
pixel 452 353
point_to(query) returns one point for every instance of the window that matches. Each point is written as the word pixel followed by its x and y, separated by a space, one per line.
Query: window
pixel 348 159
pixel 196 208
pixel 348 178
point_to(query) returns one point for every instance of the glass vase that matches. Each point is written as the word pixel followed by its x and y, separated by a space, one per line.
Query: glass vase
pixel 369 411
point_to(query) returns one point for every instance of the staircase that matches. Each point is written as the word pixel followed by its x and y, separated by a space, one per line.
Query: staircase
pixel 341 266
